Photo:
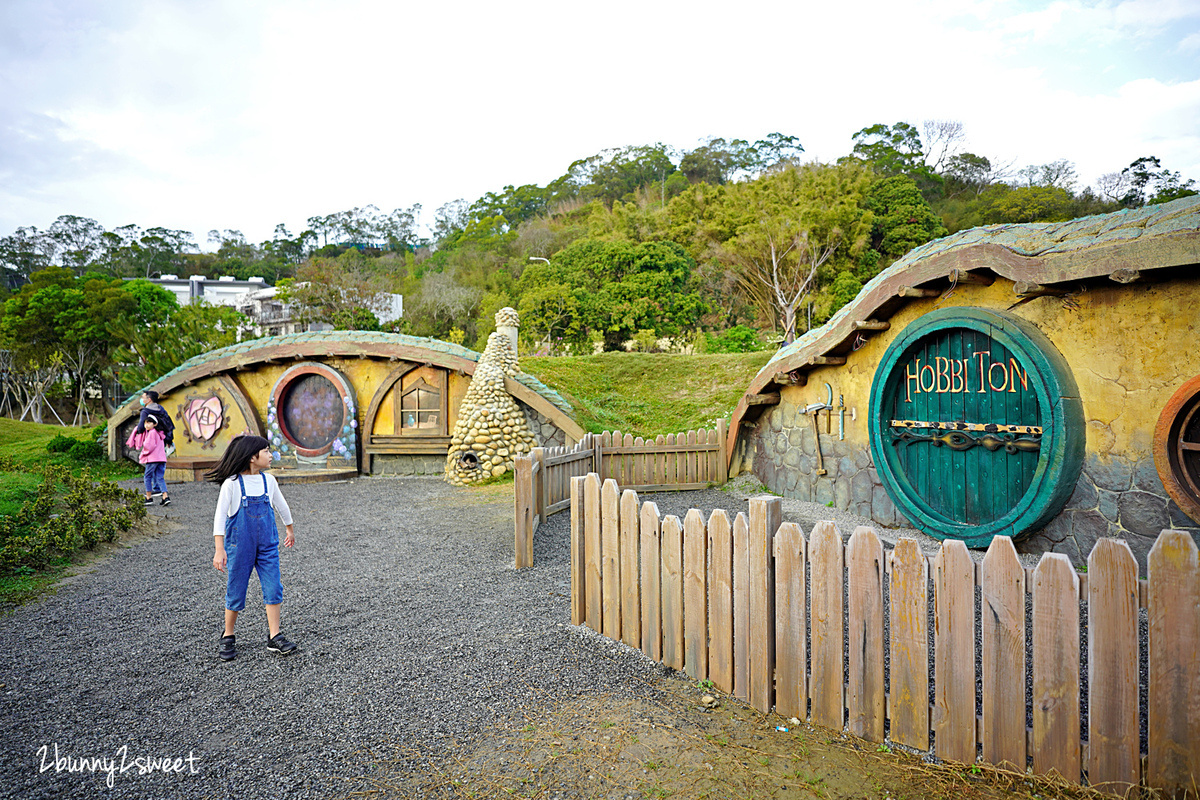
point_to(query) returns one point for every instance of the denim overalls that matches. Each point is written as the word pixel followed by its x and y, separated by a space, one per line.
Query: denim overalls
pixel 252 542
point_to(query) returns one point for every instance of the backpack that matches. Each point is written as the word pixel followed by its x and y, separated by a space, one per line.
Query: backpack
pixel 163 419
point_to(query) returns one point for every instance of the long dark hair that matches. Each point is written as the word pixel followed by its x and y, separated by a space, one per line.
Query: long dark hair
pixel 237 457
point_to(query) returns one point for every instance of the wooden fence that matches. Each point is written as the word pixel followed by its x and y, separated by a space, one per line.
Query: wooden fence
pixel 675 462
pixel 757 608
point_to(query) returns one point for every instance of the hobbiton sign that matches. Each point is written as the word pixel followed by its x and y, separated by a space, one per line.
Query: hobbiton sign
pixel 976 425
pixel 1035 380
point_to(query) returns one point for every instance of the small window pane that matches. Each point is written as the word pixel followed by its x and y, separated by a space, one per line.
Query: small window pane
pixel 427 400
pixel 427 419
pixel 409 402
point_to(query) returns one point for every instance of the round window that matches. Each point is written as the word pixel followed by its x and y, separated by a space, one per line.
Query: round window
pixel 1177 447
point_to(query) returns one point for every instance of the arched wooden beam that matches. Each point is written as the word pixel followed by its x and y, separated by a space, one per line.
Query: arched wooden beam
pixel 275 348
pixel 930 276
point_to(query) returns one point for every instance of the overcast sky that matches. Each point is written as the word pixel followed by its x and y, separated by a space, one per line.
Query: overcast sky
pixel 231 114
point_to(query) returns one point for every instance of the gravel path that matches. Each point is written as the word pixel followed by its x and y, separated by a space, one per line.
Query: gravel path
pixel 416 635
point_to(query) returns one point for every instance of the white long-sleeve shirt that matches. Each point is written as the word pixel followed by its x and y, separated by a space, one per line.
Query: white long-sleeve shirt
pixel 231 498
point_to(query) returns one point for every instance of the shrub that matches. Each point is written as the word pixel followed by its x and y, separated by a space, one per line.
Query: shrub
pixel 65 514
pixel 738 339
pixel 61 444
pixel 86 451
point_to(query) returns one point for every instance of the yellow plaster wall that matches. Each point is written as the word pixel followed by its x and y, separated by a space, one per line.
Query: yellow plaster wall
pixel 184 447
pixel 1129 348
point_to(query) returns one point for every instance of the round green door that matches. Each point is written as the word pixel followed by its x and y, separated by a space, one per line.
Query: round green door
pixel 976 425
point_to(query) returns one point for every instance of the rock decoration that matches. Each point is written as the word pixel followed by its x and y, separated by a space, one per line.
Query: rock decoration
pixel 491 429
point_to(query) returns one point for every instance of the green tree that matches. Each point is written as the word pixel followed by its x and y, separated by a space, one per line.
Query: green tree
pixel 1031 204
pixel 611 290
pixel 789 233
pixel 902 218
pixel 148 352
pixel 897 150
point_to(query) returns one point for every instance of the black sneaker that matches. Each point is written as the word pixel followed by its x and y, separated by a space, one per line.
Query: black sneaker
pixel 280 644
pixel 228 648
pixel 149 501
pixel 166 501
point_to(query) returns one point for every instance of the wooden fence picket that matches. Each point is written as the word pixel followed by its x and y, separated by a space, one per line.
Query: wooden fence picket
pixel 1174 680
pixel 523 510
pixel 741 607
pixel 864 571
pixel 651 595
pixel 766 513
pixel 1002 592
pixel 954 653
pixel 1056 667
pixel 695 596
pixel 631 606
pixel 1113 747
pixel 610 535
pixel 639 462
pixel 672 592
pixel 826 561
pixel 692 460
pixel 720 601
pixel 593 583
pixel 627 474
pixel 908 612
pixel 791 618
pixel 578 560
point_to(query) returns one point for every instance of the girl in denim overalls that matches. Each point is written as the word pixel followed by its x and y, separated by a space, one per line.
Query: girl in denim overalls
pixel 246 538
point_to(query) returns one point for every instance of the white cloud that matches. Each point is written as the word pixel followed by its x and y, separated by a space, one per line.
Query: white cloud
pixel 234 115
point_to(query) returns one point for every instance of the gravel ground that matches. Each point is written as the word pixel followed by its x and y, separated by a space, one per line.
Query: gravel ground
pixel 416 636
pixel 417 639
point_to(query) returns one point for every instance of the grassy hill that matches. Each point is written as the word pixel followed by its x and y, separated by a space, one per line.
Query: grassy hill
pixel 649 393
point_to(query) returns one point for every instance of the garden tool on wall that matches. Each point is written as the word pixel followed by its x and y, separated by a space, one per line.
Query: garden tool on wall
pixel 814 409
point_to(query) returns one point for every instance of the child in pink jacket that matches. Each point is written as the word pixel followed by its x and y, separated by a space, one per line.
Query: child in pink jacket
pixel 152 443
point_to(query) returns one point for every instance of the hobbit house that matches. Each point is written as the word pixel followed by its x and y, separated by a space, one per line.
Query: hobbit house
pixel 336 404
pixel 1039 381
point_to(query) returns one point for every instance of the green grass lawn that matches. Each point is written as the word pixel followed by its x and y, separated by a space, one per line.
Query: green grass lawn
pixel 25 442
pixel 649 393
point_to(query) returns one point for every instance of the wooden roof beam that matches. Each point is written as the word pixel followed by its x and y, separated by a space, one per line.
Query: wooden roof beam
pixel 1027 289
pixel 871 325
pixel 1125 275
pixel 961 276
pixel 765 399
pixel 914 292
pixel 793 378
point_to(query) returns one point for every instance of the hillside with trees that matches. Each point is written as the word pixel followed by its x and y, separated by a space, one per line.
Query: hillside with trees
pixel 732 246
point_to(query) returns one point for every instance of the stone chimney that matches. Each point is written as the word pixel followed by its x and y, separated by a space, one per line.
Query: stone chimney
pixel 491 429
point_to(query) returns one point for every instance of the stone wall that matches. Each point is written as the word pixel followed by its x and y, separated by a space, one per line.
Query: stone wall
pixel 548 434
pixel 391 464
pixel 1115 496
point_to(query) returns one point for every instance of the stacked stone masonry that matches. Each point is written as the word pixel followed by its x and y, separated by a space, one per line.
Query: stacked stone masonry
pixel 1114 496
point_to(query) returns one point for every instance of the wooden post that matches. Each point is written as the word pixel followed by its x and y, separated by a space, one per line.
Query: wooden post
pixel 538 456
pixel 826 688
pixel 1056 667
pixel 1002 583
pixel 651 532
pixel 954 653
pixel 672 592
pixel 578 563
pixel 1174 686
pixel 791 618
pixel 722 463
pixel 720 601
pixel 593 585
pixel 695 595
pixel 909 610
pixel 610 535
pixel 766 513
pixel 741 607
pixel 864 563
pixel 631 607
pixel 1113 747
pixel 523 511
